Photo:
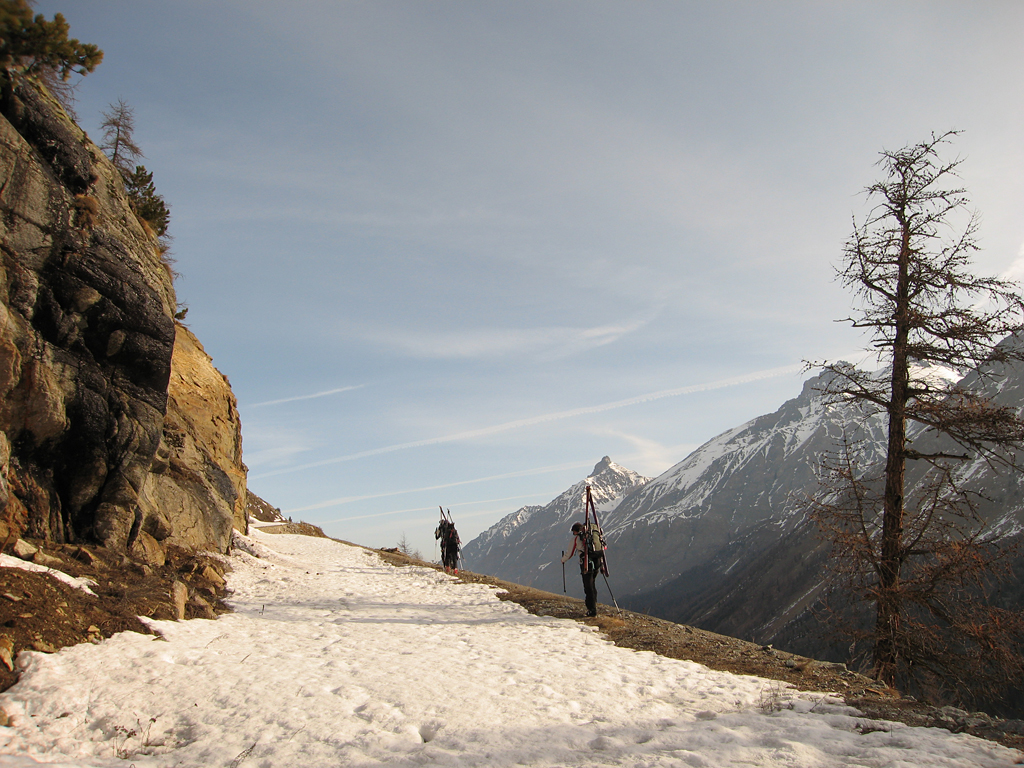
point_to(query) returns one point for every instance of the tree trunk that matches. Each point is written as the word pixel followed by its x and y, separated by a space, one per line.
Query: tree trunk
pixel 889 606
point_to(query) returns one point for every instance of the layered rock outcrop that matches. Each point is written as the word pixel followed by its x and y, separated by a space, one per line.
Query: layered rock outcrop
pixel 114 425
pixel 196 489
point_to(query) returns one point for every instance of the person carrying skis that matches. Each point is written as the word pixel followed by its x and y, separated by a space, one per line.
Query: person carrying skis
pixel 591 559
pixel 450 542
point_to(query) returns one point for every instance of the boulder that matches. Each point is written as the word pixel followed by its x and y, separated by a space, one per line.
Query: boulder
pixel 149 550
pixel 213 576
pixel 7 652
pixel 179 594
pixel 47 561
pixel 23 549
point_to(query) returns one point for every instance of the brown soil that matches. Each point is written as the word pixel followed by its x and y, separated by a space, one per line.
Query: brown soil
pixel 39 613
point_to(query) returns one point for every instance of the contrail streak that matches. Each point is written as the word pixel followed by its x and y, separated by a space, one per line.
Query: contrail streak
pixel 431 508
pixel 558 415
pixel 520 473
pixel 305 397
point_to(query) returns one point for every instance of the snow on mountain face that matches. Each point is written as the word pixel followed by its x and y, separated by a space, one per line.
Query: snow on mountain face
pixel 521 546
pixel 751 477
pixel 767 565
pixel 721 539
pixel 747 477
pixel 1003 489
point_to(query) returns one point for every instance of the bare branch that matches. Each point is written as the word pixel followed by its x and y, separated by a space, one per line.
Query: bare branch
pixel 920 555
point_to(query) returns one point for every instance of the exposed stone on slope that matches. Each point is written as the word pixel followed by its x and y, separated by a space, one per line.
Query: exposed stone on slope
pixel 196 490
pixel 38 612
pixel 87 343
pixel 261 510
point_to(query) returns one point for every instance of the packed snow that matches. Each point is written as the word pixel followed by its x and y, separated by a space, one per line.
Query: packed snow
pixel 333 657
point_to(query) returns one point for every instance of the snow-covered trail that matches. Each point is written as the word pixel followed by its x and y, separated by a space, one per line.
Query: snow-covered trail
pixel 333 658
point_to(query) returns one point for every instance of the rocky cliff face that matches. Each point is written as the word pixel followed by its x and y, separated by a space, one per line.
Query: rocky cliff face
pixel 114 426
pixel 195 492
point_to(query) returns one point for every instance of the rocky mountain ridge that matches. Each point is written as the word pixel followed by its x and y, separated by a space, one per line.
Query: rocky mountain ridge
pixel 529 540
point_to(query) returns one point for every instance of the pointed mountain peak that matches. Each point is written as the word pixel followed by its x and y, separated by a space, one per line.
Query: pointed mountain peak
pixel 602 465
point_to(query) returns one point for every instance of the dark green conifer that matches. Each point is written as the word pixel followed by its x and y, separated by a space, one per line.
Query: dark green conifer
pixel 146 202
pixel 31 45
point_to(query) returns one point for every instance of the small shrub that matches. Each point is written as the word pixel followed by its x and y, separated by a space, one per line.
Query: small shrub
pixel 86 209
pixel 770 699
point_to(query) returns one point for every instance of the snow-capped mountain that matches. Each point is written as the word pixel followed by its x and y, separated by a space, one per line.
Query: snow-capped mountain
pixel 721 540
pixel 522 546
pixel 761 582
pixel 734 495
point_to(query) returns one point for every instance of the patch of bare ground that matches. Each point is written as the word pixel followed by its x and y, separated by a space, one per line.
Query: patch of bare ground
pixel 302 529
pixel 40 613
pixel 728 654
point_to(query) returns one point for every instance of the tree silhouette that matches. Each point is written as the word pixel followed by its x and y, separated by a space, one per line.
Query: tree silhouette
pixel 118 137
pixel 922 563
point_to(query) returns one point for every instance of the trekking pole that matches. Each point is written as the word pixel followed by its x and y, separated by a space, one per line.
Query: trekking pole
pixel 612 594
pixel 563 572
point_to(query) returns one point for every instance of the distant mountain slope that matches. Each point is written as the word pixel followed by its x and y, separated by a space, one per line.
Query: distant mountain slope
pixel 760 585
pixel 729 499
pixel 721 540
pixel 735 495
pixel 526 545
pixel 261 510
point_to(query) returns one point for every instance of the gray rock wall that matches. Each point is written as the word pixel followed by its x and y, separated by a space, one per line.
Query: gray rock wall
pixel 87 340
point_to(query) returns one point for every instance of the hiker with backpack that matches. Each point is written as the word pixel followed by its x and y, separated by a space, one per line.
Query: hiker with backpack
pixel 450 543
pixel 588 543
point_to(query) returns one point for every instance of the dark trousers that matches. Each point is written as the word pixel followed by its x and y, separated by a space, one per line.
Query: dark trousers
pixel 449 556
pixel 590 584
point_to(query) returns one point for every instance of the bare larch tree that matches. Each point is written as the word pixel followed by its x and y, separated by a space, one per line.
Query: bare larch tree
pixel 921 564
pixel 118 140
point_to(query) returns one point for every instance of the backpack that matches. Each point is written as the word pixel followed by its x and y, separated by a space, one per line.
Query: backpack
pixel 595 541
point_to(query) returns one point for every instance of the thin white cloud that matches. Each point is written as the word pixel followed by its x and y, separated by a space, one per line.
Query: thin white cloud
pixel 650 457
pixel 305 397
pixel 276 445
pixel 555 341
pixel 1015 271
pixel 427 509
pixel 520 473
pixel 549 417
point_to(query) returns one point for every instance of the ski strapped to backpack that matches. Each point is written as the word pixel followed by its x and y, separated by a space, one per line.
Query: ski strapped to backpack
pixel 596 545
pixel 594 537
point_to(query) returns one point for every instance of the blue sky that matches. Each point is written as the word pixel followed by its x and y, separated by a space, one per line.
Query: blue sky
pixel 456 252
